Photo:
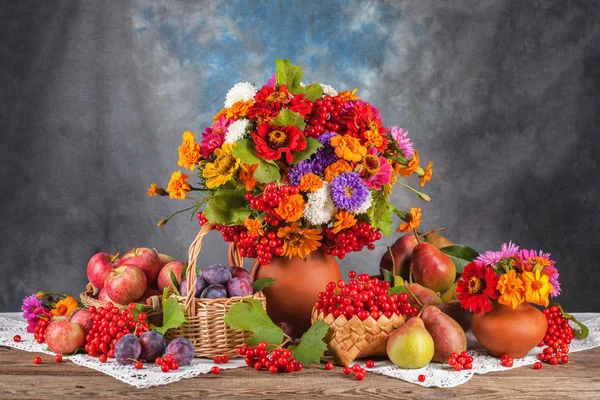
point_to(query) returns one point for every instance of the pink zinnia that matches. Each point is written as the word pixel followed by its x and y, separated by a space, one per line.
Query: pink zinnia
pixel 213 137
pixel 383 176
pixel 272 82
pixel 404 143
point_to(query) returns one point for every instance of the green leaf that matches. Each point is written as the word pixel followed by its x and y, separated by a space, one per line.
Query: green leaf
pixel 267 171
pixel 460 255
pixel 165 294
pixel 175 283
pixel 198 270
pixel 288 74
pixel 173 315
pixel 387 276
pixel 397 290
pixel 311 346
pixel 287 117
pixel 260 284
pixel 381 213
pixel 246 152
pixel 227 207
pixel 311 147
pixel 314 91
pixel 249 315
pixel 579 335
pixel 183 272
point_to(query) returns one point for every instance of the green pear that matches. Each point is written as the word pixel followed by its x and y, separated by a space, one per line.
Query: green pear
pixel 450 295
pixel 410 346
pixel 437 240
pixel 423 295
pixel 432 268
pixel 448 336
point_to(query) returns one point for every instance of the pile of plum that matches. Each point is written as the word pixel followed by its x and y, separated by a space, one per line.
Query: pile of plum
pixel 219 281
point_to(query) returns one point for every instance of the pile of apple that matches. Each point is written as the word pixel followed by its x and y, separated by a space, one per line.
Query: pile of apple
pixel 134 277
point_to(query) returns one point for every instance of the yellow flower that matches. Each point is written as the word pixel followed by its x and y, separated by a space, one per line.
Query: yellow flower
pixel 538 263
pixel 178 186
pixel 373 136
pixel 413 224
pixel 254 227
pixel 344 220
pixel 412 166
pixel 291 207
pixel 247 175
pixel 537 287
pixel 65 306
pixel 310 183
pixel 152 190
pixel 427 174
pixel 237 110
pixel 189 151
pixel 222 169
pixel 297 241
pixel 348 148
pixel 338 167
pixel 512 291
pixel 348 95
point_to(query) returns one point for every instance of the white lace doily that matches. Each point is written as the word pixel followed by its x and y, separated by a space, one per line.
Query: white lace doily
pixel 436 375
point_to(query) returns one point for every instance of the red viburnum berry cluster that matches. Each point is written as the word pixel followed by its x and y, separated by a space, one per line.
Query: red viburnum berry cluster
pixel 359 371
pixel 506 360
pixel 167 363
pixel 278 360
pixel 354 239
pixel 221 360
pixel 461 361
pixel 325 117
pixel 109 325
pixel 40 331
pixel 557 339
pixel 364 297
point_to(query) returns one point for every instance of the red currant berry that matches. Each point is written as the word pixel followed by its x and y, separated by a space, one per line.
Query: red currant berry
pixel 159 361
pixel 17 338
pixel 224 359
pixel 564 359
pixel 508 363
pixel 138 365
pixel 164 368
pixel 347 370
pixel 273 369
pixel 37 360
pixel 457 367
pixel 173 366
pixel 131 306
pixel 468 366
pixel 298 367
pixel 217 360
pixel 103 358
pixel 421 378
pixel 58 358
pixel 359 376
pixel 352 274
pixel 537 365
pixel 328 366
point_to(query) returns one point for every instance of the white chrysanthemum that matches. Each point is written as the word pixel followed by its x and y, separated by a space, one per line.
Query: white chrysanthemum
pixel 328 90
pixel 366 204
pixel 237 130
pixel 319 208
pixel 242 91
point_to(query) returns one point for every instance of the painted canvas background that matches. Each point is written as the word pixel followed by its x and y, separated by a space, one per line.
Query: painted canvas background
pixel 503 96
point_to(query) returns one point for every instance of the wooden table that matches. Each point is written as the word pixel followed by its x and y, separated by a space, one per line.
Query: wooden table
pixel 21 379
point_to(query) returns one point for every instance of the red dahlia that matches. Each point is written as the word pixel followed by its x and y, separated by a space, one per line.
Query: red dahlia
pixel 476 287
pixel 271 141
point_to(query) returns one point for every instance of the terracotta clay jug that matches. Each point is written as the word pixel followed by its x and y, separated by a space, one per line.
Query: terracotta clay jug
pixel 298 281
pixel 508 330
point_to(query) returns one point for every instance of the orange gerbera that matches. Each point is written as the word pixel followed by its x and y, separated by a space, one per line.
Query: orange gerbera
pixel 338 167
pixel 189 151
pixel 237 110
pixel 299 242
pixel 291 207
pixel 152 190
pixel 254 227
pixel 412 166
pixel 310 182
pixel 178 186
pixel 413 224
pixel 345 220
pixel 348 148
pixel 512 291
pixel 427 174
pixel 65 306
pixel 348 95
pixel 247 175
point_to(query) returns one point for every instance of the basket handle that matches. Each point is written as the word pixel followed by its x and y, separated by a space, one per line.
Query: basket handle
pixel 234 257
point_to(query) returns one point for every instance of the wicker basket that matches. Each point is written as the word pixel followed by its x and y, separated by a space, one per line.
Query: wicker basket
pixel 349 340
pixel 152 308
pixel 204 325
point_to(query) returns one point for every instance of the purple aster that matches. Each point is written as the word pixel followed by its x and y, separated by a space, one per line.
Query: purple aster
pixel 492 257
pixel 323 157
pixel 296 172
pixel 348 191
pixel 555 284
pixel 325 138
pixel 404 143
pixel 30 304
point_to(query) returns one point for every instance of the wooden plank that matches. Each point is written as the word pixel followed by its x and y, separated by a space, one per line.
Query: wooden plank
pixel 21 379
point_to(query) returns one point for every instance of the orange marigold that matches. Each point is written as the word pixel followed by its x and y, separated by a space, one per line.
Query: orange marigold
pixel 310 182
pixel 345 220
pixel 237 110
pixel 64 307
pixel 299 242
pixel 348 148
pixel 247 175
pixel 348 95
pixel 413 224
pixel 152 190
pixel 178 186
pixel 427 174
pixel 189 151
pixel 372 135
pixel 254 227
pixel 412 166
pixel 338 167
pixel 291 207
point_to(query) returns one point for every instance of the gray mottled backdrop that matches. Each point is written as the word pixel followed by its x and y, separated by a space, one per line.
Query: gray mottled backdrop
pixel 503 96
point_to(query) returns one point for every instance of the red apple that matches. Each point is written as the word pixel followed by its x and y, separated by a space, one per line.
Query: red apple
pixel 164 258
pixel 64 337
pixel 84 318
pixel 103 296
pixel 146 259
pixel 164 277
pixel 125 284
pixel 99 267
pixel 147 294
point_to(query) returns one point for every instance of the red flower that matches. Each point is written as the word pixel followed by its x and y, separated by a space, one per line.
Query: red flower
pixel 476 287
pixel 364 123
pixel 271 141
pixel 268 102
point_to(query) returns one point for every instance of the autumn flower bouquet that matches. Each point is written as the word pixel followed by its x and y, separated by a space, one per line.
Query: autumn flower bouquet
pixel 45 306
pixel 288 168
pixel 510 277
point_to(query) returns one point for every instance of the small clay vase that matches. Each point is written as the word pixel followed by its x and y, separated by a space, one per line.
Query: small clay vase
pixel 292 296
pixel 508 330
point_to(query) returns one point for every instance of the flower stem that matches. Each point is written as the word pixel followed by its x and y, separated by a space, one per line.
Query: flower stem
pixel 421 195
pixel 163 222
